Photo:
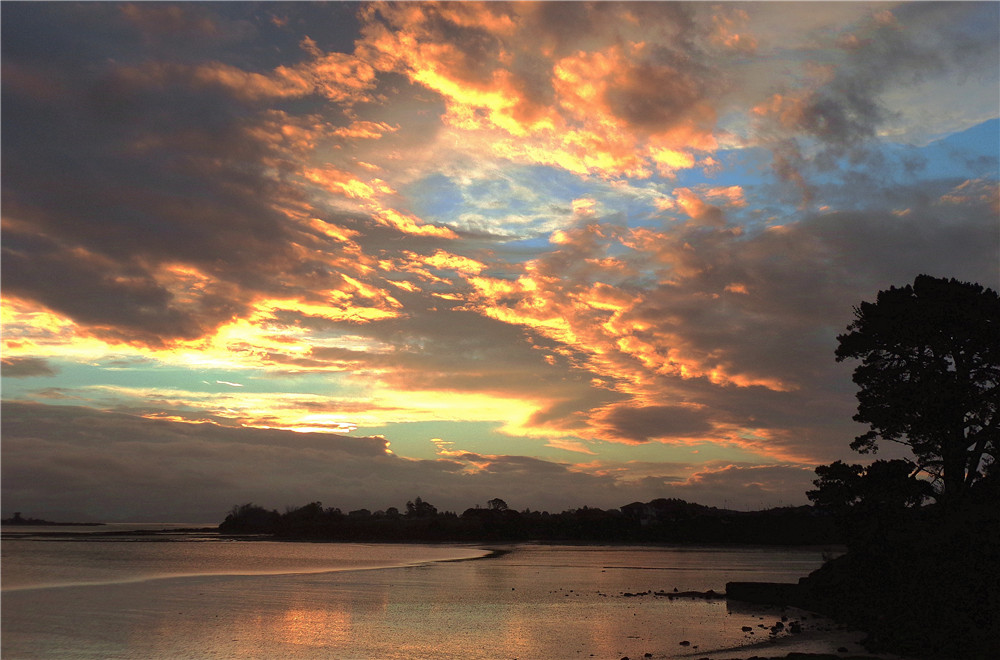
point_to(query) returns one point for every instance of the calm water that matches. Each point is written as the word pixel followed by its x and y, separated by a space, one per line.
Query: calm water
pixel 30 564
pixel 258 599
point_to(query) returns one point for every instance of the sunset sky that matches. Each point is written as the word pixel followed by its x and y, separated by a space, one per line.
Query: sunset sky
pixel 563 254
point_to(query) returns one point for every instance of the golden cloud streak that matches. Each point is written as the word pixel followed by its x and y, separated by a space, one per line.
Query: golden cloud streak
pixel 305 412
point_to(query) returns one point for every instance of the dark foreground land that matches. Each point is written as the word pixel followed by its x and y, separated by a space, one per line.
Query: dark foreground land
pixel 798 656
pixel 805 656
pixel 928 587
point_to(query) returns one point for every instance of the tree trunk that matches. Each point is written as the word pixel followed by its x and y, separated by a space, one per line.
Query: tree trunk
pixel 954 460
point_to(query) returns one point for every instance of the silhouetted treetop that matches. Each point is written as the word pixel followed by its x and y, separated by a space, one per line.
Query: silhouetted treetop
pixel 884 486
pixel 929 376
pixel 250 518
pixel 420 509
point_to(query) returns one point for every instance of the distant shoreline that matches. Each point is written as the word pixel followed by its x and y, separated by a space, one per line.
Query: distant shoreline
pixel 35 522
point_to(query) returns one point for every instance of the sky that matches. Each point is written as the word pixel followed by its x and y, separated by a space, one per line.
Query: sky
pixel 563 254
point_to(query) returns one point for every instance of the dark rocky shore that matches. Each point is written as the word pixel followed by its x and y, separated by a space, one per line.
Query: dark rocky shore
pixel 804 656
pixel 923 591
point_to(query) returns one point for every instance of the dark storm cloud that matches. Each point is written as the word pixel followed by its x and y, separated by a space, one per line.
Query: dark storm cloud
pixel 646 423
pixel 113 173
pixel 26 368
pixel 104 462
pixel 121 299
pixel 180 26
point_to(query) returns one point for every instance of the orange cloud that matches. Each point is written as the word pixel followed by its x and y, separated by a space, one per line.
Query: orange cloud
pixel 445 261
pixel 409 224
pixel 737 287
pixel 525 301
pixel 727 25
pixel 347 184
pixel 405 285
pixel 567 444
pixel 613 110
pixel 368 130
pixel 413 266
pixel 697 209
pixel 730 195
pixel 668 161
pixel 584 207
pixel 788 110
pixel 974 191
pixel 496 20
pixel 29 329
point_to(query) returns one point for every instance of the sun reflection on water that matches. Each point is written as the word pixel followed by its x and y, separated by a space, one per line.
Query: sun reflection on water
pixel 314 627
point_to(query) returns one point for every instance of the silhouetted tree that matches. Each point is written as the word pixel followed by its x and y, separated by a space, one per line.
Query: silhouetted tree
pixel 868 501
pixel 311 511
pixel 497 504
pixel 250 518
pixel 885 485
pixel 929 376
pixel 837 488
pixel 420 509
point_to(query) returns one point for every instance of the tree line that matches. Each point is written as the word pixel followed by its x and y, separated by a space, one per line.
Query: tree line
pixel 659 521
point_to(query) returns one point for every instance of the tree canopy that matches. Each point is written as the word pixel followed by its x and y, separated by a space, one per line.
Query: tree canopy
pixel 887 485
pixel 929 375
pixel 420 509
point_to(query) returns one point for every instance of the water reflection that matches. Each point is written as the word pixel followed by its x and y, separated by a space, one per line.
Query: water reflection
pixel 532 603
pixel 314 627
